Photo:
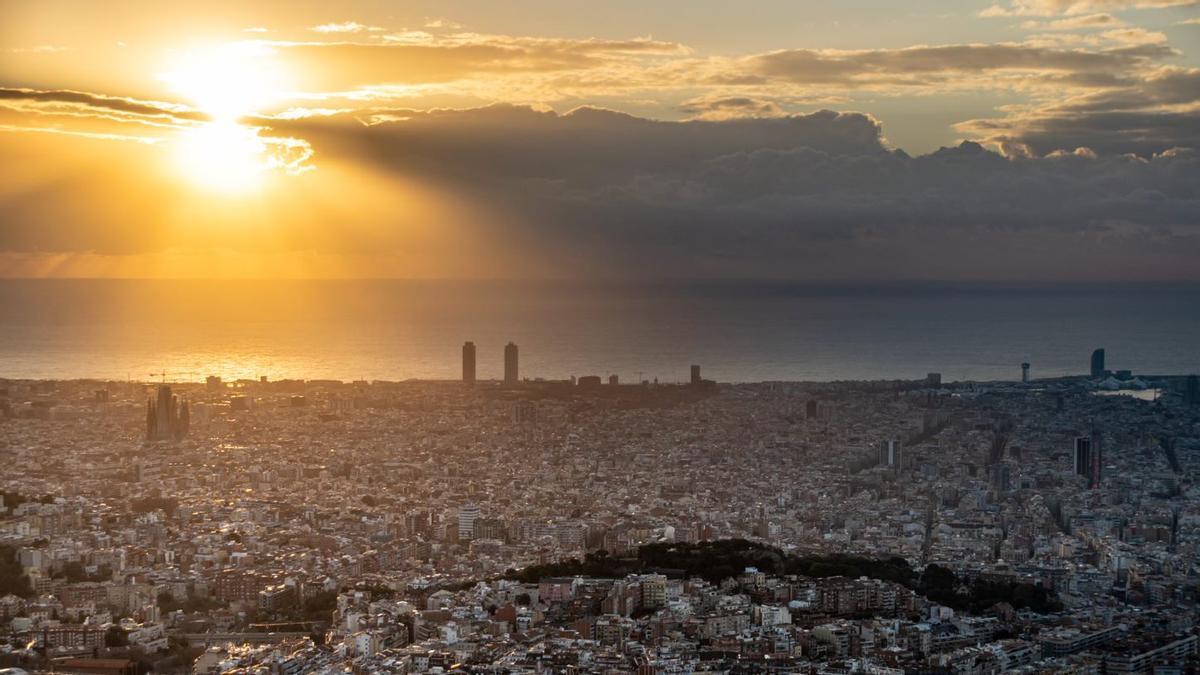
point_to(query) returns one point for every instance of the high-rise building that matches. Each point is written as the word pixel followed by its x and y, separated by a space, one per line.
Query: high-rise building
pixel 510 364
pixel 889 453
pixel 467 515
pixel 1083 456
pixel 933 380
pixel 468 362
pixel 1098 363
pixel 1096 470
pixel 810 409
pixel 614 380
pixel 183 423
pixel 1025 372
pixel 695 374
pixel 1001 476
pixel 1191 390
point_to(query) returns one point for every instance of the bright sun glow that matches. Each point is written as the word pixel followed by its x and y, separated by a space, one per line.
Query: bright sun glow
pixel 229 81
pixel 223 156
pixel 226 83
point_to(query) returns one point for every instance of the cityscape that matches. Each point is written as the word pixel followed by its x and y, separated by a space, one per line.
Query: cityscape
pixel 585 525
pixel 629 337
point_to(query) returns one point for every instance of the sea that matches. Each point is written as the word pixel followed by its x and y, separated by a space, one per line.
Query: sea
pixel 737 331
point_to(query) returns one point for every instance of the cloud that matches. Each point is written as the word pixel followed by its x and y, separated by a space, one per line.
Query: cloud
pixel 615 194
pixel 38 49
pixel 1076 7
pixel 98 102
pixel 1080 22
pixel 346 27
pixel 420 58
pixel 926 65
pixel 595 192
pixel 466 68
pixel 1144 117
pixel 443 24
pixel 723 107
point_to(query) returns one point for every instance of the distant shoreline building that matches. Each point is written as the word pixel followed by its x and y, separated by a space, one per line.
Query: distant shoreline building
pixel 468 362
pixel 511 370
pixel 1098 363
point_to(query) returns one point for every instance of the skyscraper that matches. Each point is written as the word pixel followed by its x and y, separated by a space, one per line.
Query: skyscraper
pixel 468 362
pixel 889 453
pixel 1025 372
pixel 510 364
pixel 1191 390
pixel 1001 476
pixel 695 374
pixel 1098 363
pixel 467 515
pixel 1083 456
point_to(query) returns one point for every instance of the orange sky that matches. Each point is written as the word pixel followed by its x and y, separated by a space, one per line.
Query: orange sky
pixel 486 140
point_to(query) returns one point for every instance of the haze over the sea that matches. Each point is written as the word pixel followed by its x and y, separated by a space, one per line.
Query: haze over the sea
pixel 393 330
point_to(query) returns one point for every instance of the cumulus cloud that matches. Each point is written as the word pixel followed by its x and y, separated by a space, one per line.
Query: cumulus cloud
pixel 598 192
pixel 1144 117
pixel 1093 165
pixel 740 195
pixel 612 192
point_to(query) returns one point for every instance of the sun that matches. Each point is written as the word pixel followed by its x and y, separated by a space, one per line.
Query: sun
pixel 226 83
pixel 222 156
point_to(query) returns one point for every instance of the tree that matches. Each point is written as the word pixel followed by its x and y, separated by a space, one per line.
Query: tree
pixel 12 575
pixel 115 637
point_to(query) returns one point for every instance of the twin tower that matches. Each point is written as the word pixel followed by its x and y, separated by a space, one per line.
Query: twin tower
pixel 510 363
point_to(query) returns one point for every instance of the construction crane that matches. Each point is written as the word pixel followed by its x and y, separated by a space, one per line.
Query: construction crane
pixel 284 623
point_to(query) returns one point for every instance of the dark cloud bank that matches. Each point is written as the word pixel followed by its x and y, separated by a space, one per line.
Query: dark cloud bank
pixel 802 196
pixel 600 193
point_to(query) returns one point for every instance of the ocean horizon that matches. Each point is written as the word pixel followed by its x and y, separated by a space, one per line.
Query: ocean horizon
pixel 738 331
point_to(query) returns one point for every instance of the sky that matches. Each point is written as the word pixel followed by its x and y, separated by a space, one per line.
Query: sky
pixel 860 140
